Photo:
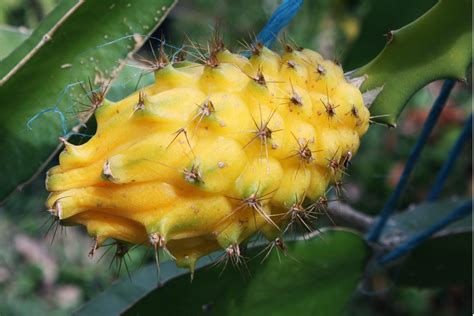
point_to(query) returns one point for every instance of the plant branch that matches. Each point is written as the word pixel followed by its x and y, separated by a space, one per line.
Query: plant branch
pixel 345 215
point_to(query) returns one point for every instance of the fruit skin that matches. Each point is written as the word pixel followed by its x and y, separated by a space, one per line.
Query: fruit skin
pixel 211 154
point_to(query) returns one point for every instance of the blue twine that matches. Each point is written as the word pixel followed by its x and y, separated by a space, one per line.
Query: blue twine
pixel 389 207
pixel 55 109
pixel 460 212
pixel 279 20
pixel 448 165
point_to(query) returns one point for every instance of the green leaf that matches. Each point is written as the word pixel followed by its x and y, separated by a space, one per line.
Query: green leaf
pixel 440 261
pixel 84 40
pixel 38 36
pixel 378 20
pixel 444 259
pixel 437 45
pixel 130 78
pixel 420 217
pixel 11 37
pixel 128 290
pixel 318 277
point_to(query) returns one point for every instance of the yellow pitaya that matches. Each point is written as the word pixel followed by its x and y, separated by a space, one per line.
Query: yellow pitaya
pixel 212 152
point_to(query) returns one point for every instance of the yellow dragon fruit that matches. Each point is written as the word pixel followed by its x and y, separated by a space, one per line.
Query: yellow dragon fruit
pixel 212 152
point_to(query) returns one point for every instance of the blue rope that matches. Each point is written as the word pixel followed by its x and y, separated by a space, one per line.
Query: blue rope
pixel 279 20
pixel 389 207
pixel 448 165
pixel 460 212
pixel 56 110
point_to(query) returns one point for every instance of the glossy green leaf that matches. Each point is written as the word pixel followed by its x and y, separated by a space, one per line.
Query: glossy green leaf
pixel 444 259
pixel 10 38
pixel 437 45
pixel 318 277
pixel 86 42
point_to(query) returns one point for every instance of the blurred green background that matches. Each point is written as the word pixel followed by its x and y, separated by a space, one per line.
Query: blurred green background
pixel 38 277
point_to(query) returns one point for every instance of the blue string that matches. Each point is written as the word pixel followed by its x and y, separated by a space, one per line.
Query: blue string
pixel 389 207
pixel 460 212
pixel 448 165
pixel 55 109
pixel 279 20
